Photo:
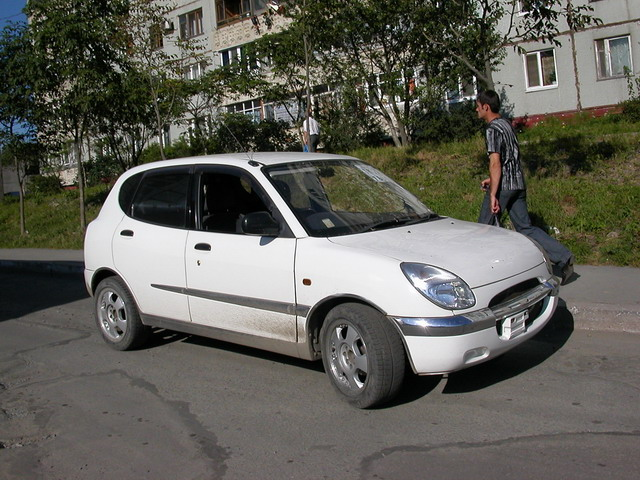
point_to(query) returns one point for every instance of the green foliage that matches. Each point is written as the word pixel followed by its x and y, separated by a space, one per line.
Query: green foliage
pixel 346 125
pixel 594 211
pixel 42 185
pixel 631 107
pixel 434 123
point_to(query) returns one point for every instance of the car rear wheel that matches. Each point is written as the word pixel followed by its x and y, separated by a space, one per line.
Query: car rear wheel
pixel 362 354
pixel 117 315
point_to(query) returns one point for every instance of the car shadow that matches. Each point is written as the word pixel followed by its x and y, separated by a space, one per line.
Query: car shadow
pixel 515 362
pixel 25 292
pixel 524 357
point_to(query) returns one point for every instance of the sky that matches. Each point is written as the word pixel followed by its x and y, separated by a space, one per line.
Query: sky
pixel 10 11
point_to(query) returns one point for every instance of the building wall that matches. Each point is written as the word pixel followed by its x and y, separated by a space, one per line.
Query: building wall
pixel 619 17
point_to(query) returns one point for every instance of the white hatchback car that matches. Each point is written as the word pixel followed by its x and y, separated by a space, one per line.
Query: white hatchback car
pixel 314 256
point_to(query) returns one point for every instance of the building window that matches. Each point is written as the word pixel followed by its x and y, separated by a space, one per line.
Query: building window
pixel 464 91
pixel 231 56
pixel 194 71
pixel 230 10
pixel 540 69
pixel 252 108
pixel 242 54
pixel 156 37
pixel 613 57
pixel 191 24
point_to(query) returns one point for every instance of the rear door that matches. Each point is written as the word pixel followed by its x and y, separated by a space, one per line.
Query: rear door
pixel 149 243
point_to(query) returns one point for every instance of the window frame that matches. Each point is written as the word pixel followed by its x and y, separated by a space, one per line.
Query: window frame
pixel 607 52
pixel 540 70
pixel 254 9
pixel 186 23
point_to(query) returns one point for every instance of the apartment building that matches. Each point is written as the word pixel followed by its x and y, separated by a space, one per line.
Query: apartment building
pixel 586 73
pixel 222 28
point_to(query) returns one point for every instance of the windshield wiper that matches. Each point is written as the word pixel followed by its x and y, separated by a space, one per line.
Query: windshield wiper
pixel 395 222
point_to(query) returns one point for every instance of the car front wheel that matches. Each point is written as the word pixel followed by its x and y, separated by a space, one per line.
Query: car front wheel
pixel 362 354
pixel 117 315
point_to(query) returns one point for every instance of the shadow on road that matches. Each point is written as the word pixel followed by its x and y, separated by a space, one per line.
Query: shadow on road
pixel 23 293
pixel 517 361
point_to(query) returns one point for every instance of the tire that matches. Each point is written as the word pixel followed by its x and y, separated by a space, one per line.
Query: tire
pixel 363 355
pixel 117 315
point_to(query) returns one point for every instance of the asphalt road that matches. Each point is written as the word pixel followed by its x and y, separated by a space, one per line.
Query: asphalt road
pixel 563 405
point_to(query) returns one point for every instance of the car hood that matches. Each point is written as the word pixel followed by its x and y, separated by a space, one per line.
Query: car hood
pixel 479 254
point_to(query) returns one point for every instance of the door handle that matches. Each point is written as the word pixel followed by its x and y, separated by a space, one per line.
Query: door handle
pixel 205 247
pixel 126 233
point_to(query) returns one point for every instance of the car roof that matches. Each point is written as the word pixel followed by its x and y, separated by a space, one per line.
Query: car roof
pixel 242 159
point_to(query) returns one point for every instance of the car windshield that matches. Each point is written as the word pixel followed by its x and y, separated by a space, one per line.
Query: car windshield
pixel 342 197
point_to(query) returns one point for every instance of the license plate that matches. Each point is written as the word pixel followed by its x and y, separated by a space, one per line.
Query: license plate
pixel 514 325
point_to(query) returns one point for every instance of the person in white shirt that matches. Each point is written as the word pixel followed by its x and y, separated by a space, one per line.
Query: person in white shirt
pixel 311 133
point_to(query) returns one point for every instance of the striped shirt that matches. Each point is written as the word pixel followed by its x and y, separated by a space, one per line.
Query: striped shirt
pixel 501 138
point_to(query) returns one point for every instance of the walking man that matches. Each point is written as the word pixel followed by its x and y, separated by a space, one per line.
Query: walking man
pixel 505 186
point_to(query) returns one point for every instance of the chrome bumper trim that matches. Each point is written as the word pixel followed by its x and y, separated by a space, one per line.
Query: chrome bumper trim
pixel 478 320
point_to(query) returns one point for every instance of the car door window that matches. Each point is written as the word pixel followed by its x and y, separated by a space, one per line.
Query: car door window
pixel 224 198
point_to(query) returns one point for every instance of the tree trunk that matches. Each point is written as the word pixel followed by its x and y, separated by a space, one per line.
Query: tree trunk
pixel 77 146
pixel 1 182
pixel 23 222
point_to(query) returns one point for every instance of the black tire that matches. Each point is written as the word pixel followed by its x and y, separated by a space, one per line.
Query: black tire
pixel 117 315
pixel 363 355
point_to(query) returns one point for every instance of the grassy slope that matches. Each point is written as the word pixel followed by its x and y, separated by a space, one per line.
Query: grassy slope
pixel 583 183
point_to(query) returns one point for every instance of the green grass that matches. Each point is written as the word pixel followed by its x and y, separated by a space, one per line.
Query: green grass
pixel 583 179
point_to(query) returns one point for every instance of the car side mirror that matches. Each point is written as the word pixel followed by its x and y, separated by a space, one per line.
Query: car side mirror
pixel 260 223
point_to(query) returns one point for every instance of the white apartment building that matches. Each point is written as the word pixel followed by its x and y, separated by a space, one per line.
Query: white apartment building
pixel 586 73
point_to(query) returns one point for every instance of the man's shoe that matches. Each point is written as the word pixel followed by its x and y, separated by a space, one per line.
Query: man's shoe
pixel 567 271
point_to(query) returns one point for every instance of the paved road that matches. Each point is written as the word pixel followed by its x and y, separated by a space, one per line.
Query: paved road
pixel 564 404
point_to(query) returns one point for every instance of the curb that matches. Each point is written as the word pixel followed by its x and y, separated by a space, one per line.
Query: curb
pixel 604 317
pixel 585 315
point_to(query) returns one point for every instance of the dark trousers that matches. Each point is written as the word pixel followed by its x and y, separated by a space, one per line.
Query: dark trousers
pixel 515 202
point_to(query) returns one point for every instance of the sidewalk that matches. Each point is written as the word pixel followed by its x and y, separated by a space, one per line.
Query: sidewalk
pixel 598 298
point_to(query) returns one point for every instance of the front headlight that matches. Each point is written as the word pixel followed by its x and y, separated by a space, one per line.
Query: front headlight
pixel 440 286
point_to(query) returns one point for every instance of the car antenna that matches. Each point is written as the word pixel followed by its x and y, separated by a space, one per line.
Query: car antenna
pixel 242 147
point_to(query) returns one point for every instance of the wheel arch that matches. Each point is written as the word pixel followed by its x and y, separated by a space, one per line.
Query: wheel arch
pixel 100 275
pixel 318 314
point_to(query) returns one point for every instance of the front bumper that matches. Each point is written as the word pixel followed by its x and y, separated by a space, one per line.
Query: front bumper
pixel 447 344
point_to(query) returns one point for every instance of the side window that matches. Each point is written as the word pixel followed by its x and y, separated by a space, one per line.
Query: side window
pixel 162 198
pixel 127 191
pixel 224 198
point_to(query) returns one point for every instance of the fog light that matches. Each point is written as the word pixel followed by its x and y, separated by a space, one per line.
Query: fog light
pixel 475 355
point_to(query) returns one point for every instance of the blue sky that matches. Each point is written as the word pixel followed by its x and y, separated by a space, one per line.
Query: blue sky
pixel 10 11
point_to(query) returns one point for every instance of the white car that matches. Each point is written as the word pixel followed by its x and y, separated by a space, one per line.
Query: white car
pixel 313 256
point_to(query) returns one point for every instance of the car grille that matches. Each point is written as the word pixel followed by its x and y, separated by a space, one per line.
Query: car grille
pixel 513 292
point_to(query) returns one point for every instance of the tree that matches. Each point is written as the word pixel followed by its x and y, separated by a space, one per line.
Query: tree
pixel 128 119
pixel 78 48
pixel 162 56
pixel 476 33
pixel 375 46
pixel 16 106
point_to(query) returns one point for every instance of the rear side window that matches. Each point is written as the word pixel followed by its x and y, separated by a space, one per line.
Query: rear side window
pixel 127 191
pixel 162 198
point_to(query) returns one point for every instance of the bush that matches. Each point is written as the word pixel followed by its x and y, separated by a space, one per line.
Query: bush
pixel 439 124
pixel 44 185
